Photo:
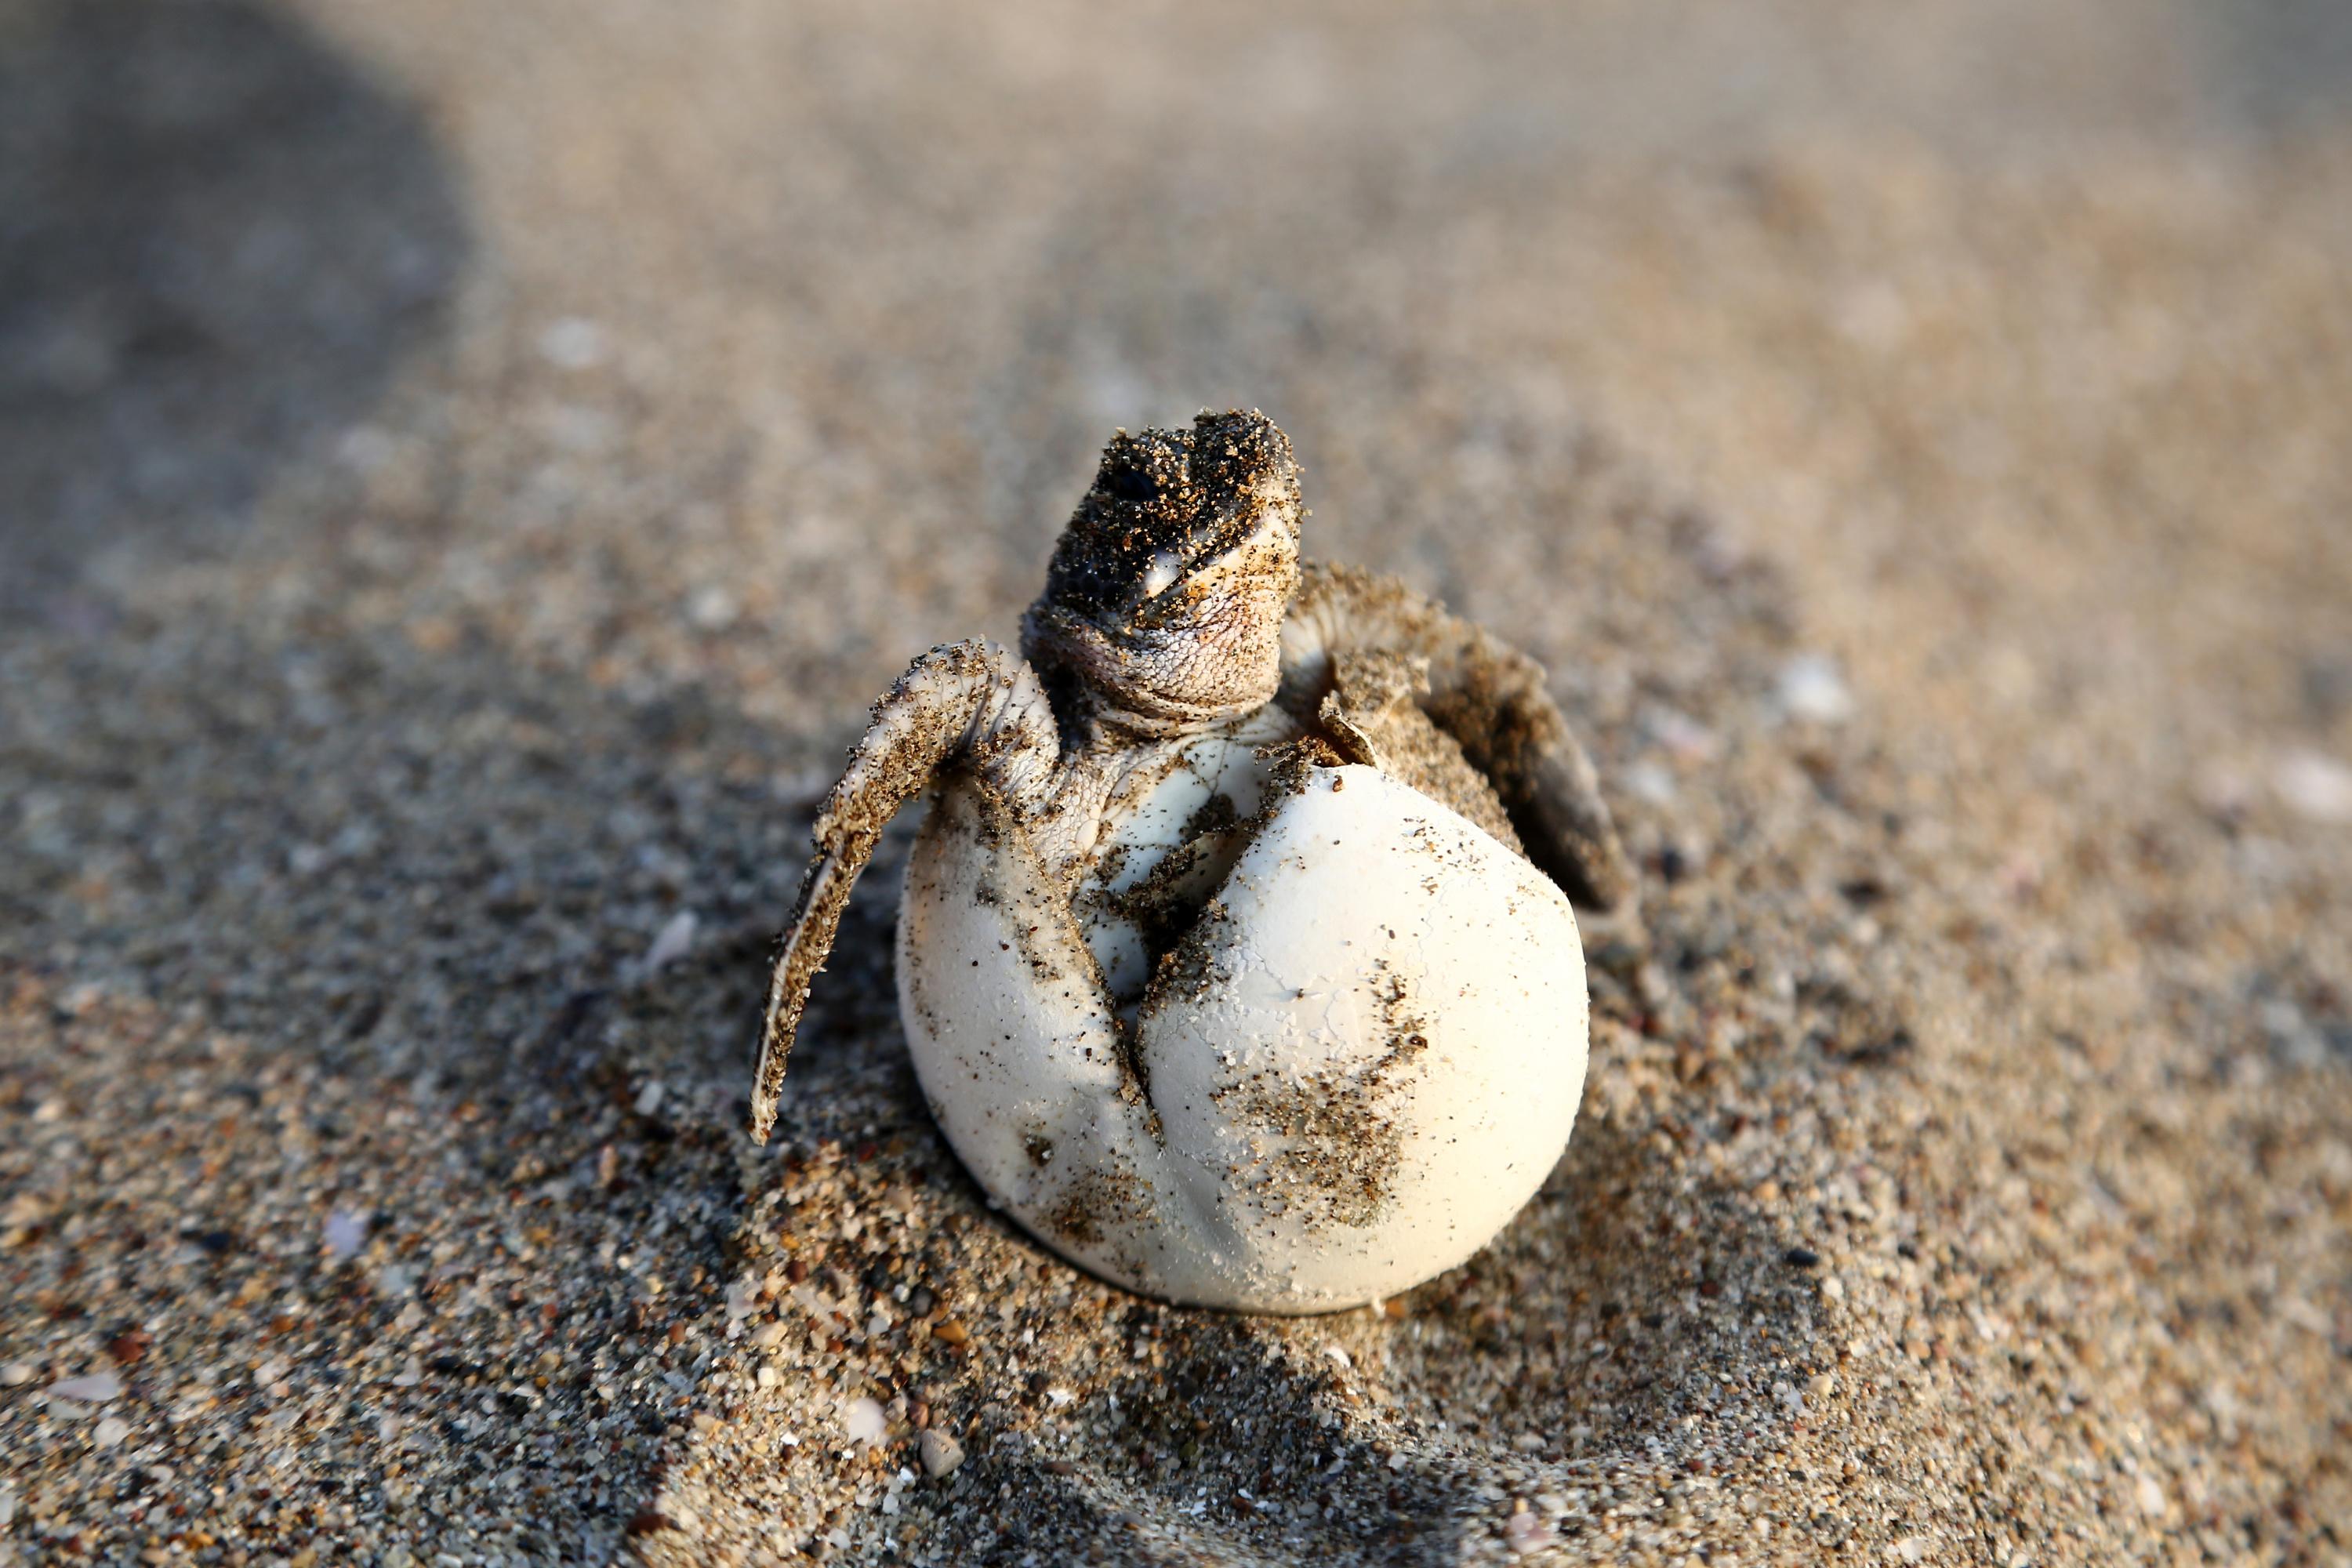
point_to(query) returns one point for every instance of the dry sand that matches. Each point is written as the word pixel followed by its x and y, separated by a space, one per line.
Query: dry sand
pixel 466 467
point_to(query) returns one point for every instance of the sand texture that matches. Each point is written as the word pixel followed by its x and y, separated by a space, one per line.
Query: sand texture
pixel 464 469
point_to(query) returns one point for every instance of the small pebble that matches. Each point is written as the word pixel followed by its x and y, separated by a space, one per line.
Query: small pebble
pixel 1650 781
pixel 95 1389
pixel 862 1421
pixel 1683 737
pixel 346 1234
pixel 939 1452
pixel 572 342
pixel 111 1432
pixel 712 609
pixel 16 1375
pixel 2315 787
pixel 1525 1532
pixel 1811 688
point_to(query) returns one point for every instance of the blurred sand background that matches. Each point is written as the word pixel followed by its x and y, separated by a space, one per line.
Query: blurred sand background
pixel 464 469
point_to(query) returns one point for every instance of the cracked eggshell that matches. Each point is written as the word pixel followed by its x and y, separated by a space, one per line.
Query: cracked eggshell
pixel 1357 1065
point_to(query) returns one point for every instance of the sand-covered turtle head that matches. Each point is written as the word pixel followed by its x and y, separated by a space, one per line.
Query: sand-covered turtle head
pixel 1164 602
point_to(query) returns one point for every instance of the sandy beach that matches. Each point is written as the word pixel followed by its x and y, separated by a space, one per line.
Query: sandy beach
pixel 465 471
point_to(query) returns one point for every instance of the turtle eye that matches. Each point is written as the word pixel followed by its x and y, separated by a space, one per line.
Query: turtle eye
pixel 1132 484
pixel 1166 567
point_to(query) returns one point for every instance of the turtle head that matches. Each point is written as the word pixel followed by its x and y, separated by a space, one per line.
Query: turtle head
pixel 1167 591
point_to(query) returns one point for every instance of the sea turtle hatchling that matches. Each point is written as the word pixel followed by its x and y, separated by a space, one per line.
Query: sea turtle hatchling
pixel 1235 955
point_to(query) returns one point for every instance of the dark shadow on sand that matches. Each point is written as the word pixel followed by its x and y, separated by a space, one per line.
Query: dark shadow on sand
pixel 2279 66
pixel 217 238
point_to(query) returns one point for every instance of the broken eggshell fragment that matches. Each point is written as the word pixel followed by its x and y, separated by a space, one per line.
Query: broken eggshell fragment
pixel 1348 1076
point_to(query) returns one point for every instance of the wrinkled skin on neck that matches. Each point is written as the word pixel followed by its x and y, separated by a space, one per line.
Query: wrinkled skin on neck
pixel 1163 607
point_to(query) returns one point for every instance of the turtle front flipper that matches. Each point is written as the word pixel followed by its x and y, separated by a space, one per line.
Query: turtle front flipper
pixel 1373 714
pixel 967 706
pixel 1487 696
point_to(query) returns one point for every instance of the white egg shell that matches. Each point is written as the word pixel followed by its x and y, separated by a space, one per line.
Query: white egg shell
pixel 1365 1059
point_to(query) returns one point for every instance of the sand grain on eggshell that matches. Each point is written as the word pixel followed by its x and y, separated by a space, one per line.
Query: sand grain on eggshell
pixel 1916 443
